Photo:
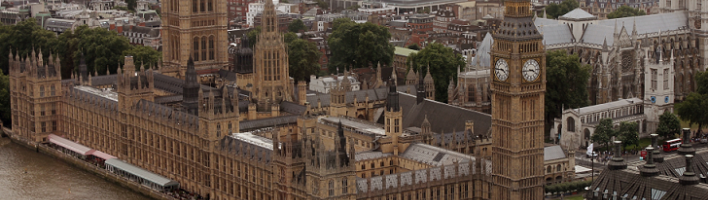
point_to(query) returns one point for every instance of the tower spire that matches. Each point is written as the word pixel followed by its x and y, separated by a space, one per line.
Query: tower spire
pixel 190 90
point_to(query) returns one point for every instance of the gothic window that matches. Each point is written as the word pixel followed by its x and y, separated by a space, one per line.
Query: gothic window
pixel 558 167
pixel 196 49
pixel 204 46
pixel 396 125
pixel 210 6
pixel 331 188
pixel 41 91
pixel 382 165
pixel 666 79
pixel 363 167
pixel 548 169
pixel 41 112
pixel 53 90
pixel 211 46
pixel 44 127
pixel 653 79
pixel 372 165
pixel 195 7
pixel 201 5
pixel 390 162
pixel 344 186
pixel 571 124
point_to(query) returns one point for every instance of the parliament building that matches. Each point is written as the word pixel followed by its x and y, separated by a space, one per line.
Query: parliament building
pixel 278 140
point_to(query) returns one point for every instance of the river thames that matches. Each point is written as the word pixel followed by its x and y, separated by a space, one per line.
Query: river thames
pixel 26 174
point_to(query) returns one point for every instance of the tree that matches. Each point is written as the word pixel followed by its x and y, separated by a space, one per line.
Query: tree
pixel 102 49
pixel 424 10
pixel 296 26
pixel 628 134
pixel 359 45
pixel 413 46
pixel 289 37
pixel 303 59
pixel 253 36
pixel 322 4
pixel 5 100
pixel 131 4
pixel 604 132
pixel 566 85
pixel 144 55
pixel 443 63
pixel 625 11
pixel 669 125
pixel 354 7
pixel 694 108
pixel 555 10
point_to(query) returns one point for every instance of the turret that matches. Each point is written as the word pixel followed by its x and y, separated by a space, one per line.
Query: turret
pixel 420 93
pixel 191 89
pixel 617 161
pixel 429 86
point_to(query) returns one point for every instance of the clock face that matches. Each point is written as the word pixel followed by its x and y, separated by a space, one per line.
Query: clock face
pixel 501 69
pixel 531 70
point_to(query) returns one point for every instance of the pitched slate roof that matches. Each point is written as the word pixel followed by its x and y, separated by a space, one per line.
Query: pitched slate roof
pixel 578 14
pixel 374 94
pixel 433 155
pixel 442 117
pixel 553 152
pixel 556 34
pixel 650 23
pixel 597 34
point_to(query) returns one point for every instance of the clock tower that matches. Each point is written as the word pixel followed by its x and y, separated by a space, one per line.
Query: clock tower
pixel 518 92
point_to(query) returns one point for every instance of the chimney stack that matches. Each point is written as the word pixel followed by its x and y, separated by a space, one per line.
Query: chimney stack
pixel 649 169
pixel 657 152
pixel 686 148
pixel 689 177
pixel 617 160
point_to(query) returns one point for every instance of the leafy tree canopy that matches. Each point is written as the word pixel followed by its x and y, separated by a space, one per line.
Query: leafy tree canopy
pixel 694 108
pixel 144 55
pixel 628 134
pixel 253 36
pixel 303 59
pixel 443 63
pixel 359 45
pixel 5 99
pixel 625 11
pixel 296 26
pixel 322 4
pixel 669 125
pixel 554 10
pixel 604 132
pixel 102 48
pixel 413 46
pixel 566 85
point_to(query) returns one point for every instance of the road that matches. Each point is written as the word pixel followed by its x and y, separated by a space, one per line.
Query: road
pixel 582 160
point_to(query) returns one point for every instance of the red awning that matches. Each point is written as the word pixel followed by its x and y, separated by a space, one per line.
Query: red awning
pixel 68 144
pixel 102 155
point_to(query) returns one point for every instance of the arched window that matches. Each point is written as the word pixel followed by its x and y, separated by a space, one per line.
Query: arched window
pixel 382 164
pixel 548 169
pixel 372 165
pixel 201 5
pixel 41 91
pixel 390 162
pixel 331 188
pixel 196 49
pixel 204 48
pixel 571 124
pixel 195 6
pixel 344 186
pixel 210 5
pixel 558 167
pixel 211 47
pixel 363 166
pixel 53 91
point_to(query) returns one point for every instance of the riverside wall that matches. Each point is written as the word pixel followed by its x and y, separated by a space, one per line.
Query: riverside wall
pixel 100 172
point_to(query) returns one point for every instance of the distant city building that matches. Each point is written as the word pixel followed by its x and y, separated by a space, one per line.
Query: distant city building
pixel 325 83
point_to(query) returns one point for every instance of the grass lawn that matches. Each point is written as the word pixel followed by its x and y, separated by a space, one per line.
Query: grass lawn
pixel 684 124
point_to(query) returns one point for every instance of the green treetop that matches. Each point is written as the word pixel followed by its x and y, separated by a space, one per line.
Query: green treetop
pixel 625 11
pixel 359 45
pixel 443 63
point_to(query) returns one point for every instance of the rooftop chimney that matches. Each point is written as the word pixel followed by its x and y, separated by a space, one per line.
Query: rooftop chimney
pixel 686 148
pixel 617 160
pixel 657 152
pixel 649 169
pixel 688 178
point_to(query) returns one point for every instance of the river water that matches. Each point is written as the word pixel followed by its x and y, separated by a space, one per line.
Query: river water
pixel 26 174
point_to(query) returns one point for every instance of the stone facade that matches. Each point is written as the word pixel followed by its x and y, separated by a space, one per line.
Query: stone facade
pixel 193 29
